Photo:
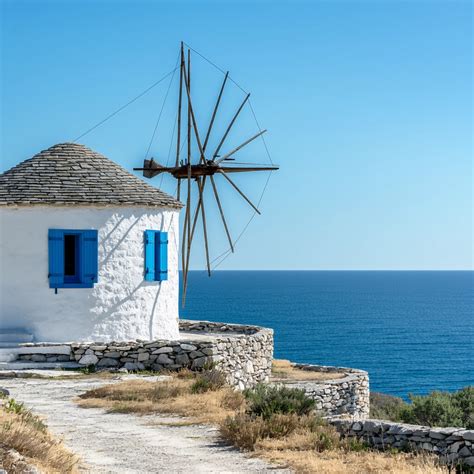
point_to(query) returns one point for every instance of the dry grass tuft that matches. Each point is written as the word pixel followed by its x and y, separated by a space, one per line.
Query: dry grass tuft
pixel 342 462
pixel 282 370
pixel 25 433
pixel 174 396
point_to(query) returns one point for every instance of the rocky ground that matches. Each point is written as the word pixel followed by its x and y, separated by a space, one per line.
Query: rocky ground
pixel 121 443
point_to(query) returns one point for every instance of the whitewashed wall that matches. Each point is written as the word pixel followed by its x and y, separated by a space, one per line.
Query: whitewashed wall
pixel 121 306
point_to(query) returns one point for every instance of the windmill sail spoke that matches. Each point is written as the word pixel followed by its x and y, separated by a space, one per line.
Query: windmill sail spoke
pixel 222 213
pixel 214 156
pixel 178 140
pixel 191 112
pixel 235 150
pixel 239 191
pixel 244 169
pixel 215 112
pixel 203 214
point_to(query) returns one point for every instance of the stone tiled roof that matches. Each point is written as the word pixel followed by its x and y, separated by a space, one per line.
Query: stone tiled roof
pixel 72 174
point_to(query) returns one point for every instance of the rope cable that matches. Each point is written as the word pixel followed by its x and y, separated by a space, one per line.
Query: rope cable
pixel 125 105
pixel 162 107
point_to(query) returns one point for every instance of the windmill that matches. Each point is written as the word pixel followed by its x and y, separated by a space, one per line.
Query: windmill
pixel 206 165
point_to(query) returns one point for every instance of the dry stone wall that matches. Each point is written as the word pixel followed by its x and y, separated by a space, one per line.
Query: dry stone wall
pixel 243 353
pixel 347 396
pixel 454 445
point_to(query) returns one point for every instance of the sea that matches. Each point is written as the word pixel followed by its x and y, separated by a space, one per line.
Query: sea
pixel 413 331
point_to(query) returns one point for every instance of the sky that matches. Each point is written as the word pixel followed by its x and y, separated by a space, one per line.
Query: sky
pixel 368 106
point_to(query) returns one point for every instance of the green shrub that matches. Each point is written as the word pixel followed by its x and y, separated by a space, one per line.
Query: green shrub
pixel 436 409
pixel 208 380
pixel 267 400
pixel 464 400
pixel 386 407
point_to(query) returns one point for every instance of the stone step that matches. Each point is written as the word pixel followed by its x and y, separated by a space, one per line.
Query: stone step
pixel 16 336
pixel 25 349
pixel 38 365
pixel 8 356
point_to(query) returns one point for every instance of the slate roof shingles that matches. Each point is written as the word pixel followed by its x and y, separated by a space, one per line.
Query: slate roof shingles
pixel 72 174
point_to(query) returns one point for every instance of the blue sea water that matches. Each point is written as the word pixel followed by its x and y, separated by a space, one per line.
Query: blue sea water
pixel 413 331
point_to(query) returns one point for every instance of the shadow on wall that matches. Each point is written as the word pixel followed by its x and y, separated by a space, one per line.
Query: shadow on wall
pixel 107 316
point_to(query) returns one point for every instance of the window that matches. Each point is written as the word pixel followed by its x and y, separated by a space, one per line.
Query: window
pixel 72 258
pixel 156 255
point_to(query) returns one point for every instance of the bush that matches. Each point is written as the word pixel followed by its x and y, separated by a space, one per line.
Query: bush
pixel 436 409
pixel 267 400
pixel 208 380
pixel 441 409
pixel 386 407
pixel 464 400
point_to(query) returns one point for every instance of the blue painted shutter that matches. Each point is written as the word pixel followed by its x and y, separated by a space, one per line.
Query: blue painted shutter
pixel 161 256
pixel 149 255
pixel 55 257
pixel 89 256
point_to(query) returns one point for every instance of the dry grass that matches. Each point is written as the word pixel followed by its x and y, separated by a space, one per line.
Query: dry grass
pixel 25 433
pixel 283 370
pixel 304 443
pixel 342 462
pixel 172 397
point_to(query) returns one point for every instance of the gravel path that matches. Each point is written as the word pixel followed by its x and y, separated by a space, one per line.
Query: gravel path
pixel 120 443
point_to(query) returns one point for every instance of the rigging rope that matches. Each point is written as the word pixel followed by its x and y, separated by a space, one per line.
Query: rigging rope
pixel 162 107
pixel 125 105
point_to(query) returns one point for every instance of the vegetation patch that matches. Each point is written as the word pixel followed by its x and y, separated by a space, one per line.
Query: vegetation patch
pixel 276 423
pixel 283 370
pixel 25 440
pixel 436 409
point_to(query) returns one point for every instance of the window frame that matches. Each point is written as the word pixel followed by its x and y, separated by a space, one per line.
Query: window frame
pixel 155 255
pixel 78 280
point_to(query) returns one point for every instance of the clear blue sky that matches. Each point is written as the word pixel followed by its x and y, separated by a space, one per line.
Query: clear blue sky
pixel 368 106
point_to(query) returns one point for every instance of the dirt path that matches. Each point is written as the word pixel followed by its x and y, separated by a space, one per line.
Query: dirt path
pixel 120 443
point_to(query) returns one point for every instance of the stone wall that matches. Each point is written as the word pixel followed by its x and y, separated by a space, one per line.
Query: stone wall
pixel 454 445
pixel 347 396
pixel 243 353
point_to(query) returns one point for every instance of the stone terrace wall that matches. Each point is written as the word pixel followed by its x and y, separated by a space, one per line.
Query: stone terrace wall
pixel 454 445
pixel 243 353
pixel 347 396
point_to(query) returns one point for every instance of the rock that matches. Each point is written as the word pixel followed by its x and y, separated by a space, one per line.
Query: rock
pixel 163 350
pixel 195 354
pixel 182 359
pixel 437 434
pixel 113 355
pixel 164 359
pixel 98 348
pixel 469 461
pixel 469 435
pixel 465 452
pixel 4 392
pixel 88 359
pixel 106 362
pixel 454 448
pixel 188 347
pixel 38 358
pixel 130 366
pixel 143 356
pixel 200 362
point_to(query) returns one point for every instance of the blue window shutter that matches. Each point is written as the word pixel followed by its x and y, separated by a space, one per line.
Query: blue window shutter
pixel 161 257
pixel 89 256
pixel 55 257
pixel 149 255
